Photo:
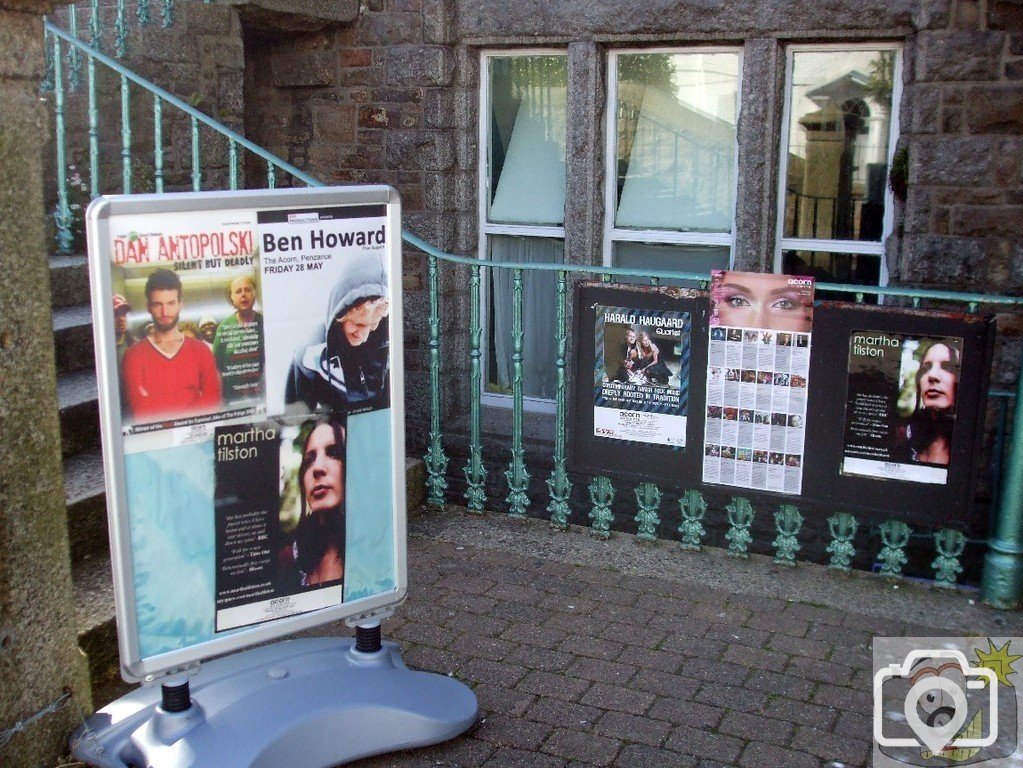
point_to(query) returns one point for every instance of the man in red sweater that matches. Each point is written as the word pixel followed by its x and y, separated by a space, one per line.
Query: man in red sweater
pixel 168 374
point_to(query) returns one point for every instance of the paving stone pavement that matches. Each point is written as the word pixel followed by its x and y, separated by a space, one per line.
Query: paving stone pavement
pixel 624 653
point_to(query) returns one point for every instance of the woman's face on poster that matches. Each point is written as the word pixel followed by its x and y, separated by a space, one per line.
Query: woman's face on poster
pixel 937 379
pixel 644 340
pixel 768 301
pixel 323 470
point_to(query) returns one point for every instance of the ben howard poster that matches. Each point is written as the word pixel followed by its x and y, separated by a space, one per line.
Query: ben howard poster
pixel 641 375
pixel 901 406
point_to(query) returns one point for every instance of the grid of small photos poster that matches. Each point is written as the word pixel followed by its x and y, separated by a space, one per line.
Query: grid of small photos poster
pixel 756 408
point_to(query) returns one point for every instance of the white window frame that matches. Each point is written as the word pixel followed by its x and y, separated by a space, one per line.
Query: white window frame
pixel 613 234
pixel 860 247
pixel 486 229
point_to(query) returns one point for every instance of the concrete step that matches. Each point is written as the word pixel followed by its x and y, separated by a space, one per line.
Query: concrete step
pixel 86 504
pixel 72 339
pixel 93 589
pixel 69 280
pixel 91 571
pixel 79 412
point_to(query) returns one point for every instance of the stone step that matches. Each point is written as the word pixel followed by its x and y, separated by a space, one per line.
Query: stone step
pixel 79 412
pixel 85 495
pixel 72 338
pixel 93 588
pixel 92 581
pixel 69 280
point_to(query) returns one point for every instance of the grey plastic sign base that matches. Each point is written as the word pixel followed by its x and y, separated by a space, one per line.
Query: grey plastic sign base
pixel 308 703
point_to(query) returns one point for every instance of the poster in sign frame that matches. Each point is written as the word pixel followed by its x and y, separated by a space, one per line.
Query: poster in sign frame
pixel 250 390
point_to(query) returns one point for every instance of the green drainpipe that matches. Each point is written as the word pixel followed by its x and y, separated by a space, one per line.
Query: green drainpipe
pixel 1002 583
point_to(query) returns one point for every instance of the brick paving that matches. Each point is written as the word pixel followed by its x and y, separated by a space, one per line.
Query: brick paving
pixel 577 662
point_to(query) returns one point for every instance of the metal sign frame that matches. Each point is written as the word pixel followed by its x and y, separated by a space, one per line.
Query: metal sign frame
pixel 134 666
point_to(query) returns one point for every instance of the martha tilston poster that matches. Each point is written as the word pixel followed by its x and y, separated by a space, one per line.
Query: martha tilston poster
pixel 757 380
pixel 641 375
pixel 253 373
pixel 900 406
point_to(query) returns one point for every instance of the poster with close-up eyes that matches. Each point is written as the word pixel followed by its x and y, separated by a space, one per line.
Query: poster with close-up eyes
pixel 901 406
pixel 758 371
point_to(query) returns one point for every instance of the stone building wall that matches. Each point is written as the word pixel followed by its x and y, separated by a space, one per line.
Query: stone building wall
pixel 393 98
pixel 390 94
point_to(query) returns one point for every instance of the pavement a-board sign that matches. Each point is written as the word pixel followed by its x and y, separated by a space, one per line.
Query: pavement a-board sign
pixel 249 355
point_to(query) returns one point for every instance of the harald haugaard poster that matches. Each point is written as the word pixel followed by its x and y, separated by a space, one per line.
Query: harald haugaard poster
pixel 641 375
pixel 757 380
pixel 901 406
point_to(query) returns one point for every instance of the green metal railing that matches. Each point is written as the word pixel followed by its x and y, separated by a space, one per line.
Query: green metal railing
pixel 77 50
pixel 1002 584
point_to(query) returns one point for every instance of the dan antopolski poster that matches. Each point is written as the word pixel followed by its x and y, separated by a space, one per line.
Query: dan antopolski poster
pixel 901 406
pixel 641 376
pixel 187 320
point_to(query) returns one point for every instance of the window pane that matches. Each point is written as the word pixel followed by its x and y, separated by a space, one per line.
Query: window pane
pixel 539 376
pixel 857 269
pixel 679 258
pixel 675 151
pixel 838 144
pixel 527 139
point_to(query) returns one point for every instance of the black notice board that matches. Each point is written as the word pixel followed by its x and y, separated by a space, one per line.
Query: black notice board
pixel 826 489
pixel 635 458
pixel 950 503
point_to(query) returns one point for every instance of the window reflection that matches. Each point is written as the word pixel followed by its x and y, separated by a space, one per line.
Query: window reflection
pixel 838 144
pixel 851 268
pixel 675 148
pixel 527 139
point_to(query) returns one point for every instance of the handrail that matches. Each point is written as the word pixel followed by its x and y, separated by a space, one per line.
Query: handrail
pixel 702 277
pixel 183 106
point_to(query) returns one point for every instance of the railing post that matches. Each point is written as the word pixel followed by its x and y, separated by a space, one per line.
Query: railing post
pixel 121 30
pixel 74 56
pixel 157 144
pixel 95 34
pixel 518 477
pixel 196 158
pixel 559 484
pixel 436 461
pixel 1002 583
pixel 125 135
pixel 93 129
pixel 475 473
pixel 62 213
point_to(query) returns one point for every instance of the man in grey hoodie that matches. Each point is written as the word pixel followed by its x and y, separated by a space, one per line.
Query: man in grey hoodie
pixel 344 366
